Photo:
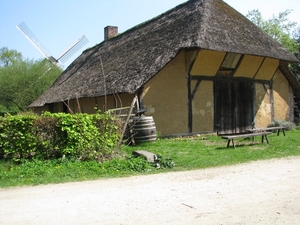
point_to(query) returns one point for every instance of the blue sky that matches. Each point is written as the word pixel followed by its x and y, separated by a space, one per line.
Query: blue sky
pixel 59 23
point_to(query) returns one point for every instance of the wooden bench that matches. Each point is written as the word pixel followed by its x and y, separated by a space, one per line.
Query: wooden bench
pixel 264 129
pixel 231 138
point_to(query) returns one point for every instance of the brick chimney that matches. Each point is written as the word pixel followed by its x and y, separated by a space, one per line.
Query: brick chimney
pixel 110 32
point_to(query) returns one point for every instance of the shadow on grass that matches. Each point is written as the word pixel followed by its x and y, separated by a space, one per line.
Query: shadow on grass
pixel 243 145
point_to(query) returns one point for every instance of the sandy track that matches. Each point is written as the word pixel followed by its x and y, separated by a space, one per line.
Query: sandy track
pixel 261 192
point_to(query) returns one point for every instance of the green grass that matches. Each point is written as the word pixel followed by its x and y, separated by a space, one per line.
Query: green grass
pixel 196 153
pixel 187 153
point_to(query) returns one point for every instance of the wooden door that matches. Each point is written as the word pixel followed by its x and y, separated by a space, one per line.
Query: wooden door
pixel 234 102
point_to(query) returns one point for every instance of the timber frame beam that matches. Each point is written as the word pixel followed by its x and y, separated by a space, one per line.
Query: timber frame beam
pixel 229 79
pixel 190 57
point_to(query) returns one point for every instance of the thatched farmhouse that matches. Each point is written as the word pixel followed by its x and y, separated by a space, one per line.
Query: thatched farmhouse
pixel 199 67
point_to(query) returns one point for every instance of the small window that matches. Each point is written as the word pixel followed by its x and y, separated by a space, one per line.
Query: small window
pixel 231 60
pixel 229 64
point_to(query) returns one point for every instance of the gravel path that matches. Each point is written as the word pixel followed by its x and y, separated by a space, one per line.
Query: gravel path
pixel 261 192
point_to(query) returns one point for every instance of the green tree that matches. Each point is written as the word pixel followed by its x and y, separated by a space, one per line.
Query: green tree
pixel 278 27
pixel 9 57
pixel 23 80
pixel 287 33
pixel 295 68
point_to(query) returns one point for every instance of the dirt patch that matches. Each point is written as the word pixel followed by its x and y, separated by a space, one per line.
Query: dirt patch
pixel 261 192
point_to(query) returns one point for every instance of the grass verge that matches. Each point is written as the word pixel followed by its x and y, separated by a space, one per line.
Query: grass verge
pixel 187 153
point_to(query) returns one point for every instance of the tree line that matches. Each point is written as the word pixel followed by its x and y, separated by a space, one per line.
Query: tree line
pixel 23 80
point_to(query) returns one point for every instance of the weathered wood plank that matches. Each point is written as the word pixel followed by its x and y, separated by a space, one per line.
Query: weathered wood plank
pixel 245 135
pixel 278 129
pixel 231 138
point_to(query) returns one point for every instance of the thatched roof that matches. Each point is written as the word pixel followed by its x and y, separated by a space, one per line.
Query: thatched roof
pixel 127 61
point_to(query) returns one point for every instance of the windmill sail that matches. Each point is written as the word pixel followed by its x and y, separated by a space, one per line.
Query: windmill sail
pixel 34 40
pixel 73 49
pixel 42 49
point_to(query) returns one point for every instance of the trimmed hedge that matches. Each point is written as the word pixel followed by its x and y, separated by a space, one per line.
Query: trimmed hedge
pixel 50 136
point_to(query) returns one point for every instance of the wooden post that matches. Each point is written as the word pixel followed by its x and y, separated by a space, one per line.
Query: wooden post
pixel 127 119
pixel 190 57
pixel 272 101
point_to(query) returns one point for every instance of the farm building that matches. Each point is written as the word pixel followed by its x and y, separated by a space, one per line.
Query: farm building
pixel 199 67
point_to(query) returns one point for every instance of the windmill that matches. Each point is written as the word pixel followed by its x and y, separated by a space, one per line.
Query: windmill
pixel 63 57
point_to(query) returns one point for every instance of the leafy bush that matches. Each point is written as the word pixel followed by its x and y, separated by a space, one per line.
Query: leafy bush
pixel 17 140
pixel 51 137
pixel 84 136
pixel 282 123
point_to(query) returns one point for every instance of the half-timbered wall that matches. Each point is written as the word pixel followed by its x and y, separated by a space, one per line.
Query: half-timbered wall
pixel 89 105
pixel 263 106
pixel 203 107
pixel 263 99
pixel 184 98
pixel 166 98
pixel 281 97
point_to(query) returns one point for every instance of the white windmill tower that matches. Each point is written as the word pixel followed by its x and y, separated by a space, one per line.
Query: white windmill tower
pixel 63 57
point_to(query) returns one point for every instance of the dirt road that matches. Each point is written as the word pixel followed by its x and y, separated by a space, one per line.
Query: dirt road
pixel 262 192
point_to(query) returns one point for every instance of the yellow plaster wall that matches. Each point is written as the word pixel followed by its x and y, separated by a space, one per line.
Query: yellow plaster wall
pixel 40 110
pixel 87 105
pixel 207 63
pixel 262 105
pixel 281 101
pixel 77 106
pixel 58 107
pixel 249 66
pixel 281 97
pixel 203 107
pixel 267 69
pixel 168 107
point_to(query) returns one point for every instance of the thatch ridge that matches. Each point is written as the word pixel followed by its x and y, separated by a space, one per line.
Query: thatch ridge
pixel 132 58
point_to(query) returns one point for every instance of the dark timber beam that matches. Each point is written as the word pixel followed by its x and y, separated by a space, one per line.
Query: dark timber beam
pixel 190 57
pixel 272 101
pixel 195 89
pixel 229 79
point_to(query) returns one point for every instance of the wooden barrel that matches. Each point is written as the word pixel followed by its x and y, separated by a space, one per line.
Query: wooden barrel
pixel 144 129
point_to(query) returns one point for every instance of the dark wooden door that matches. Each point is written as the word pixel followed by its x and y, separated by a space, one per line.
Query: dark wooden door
pixel 234 102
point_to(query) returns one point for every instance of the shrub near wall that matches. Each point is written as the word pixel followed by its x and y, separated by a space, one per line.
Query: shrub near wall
pixel 84 136
pixel 16 139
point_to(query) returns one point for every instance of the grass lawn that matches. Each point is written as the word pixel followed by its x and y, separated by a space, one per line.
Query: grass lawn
pixel 187 153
